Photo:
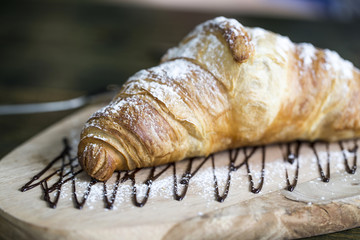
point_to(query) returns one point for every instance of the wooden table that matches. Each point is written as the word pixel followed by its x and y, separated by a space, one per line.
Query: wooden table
pixel 55 51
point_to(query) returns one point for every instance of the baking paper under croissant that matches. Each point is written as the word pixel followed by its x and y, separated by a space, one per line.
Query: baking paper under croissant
pixel 224 86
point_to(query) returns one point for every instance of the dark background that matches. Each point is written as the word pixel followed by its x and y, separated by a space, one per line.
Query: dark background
pixel 56 50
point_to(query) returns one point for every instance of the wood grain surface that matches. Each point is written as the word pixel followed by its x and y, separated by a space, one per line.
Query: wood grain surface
pixel 55 50
pixel 274 213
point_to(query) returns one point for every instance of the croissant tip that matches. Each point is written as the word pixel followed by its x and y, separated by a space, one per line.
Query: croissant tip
pixel 97 161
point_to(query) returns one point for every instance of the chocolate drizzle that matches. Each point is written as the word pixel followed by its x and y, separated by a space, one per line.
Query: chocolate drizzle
pixel 291 157
pixel 261 183
pixel 66 160
pixel 322 174
pixel 351 170
pixel 69 168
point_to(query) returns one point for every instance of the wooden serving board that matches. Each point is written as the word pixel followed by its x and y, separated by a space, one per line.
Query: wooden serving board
pixel 313 207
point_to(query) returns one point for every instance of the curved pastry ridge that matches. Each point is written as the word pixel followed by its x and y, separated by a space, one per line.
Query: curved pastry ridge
pixel 218 45
pixel 234 34
pixel 223 86
pixel 102 164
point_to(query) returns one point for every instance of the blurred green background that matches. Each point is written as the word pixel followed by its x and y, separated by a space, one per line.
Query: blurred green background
pixel 57 50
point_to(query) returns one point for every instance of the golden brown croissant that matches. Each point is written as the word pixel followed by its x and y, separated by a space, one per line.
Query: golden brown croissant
pixel 224 86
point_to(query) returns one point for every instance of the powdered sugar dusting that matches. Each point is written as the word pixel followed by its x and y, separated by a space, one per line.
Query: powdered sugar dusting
pixel 167 82
pixel 257 34
pixel 283 46
pixel 174 84
pixel 117 105
pixel 125 106
pixel 205 43
pixel 195 38
pixel 307 54
pixel 205 46
pixel 341 68
pixel 229 24
pixel 175 70
pixel 201 184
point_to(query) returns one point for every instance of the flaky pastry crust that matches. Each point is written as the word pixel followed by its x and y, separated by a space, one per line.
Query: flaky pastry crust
pixel 224 86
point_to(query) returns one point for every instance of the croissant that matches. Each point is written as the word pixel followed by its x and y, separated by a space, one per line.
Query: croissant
pixel 223 86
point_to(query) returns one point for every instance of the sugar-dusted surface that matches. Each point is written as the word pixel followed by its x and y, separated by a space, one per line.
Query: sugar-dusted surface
pixel 210 179
pixel 201 187
pixel 307 54
pixel 161 210
pixel 342 67
pixel 173 84
pixel 225 24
